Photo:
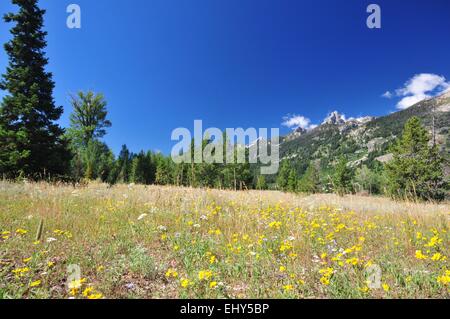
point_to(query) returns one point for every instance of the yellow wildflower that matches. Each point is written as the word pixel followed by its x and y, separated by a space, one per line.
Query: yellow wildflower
pixel 171 273
pixel 204 274
pixel 185 283
pixel 288 288
pixel 19 272
pixel 325 281
pixel 95 296
pixel 275 225
pixel 326 275
pixel 352 261
pixel 437 257
pixel 88 291
pixel 285 246
pixel 21 231
pixel 444 279
pixel 212 284
pixel 76 284
pixel 435 240
pixel 364 289
pixel 420 255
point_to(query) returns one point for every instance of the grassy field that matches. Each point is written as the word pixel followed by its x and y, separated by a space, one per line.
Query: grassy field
pixel 167 242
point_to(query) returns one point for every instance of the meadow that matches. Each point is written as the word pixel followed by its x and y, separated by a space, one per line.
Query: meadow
pixel 133 241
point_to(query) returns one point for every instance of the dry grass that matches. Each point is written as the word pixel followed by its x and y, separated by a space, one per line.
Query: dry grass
pixel 168 242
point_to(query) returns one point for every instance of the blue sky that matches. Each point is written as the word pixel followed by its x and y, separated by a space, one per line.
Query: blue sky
pixel 241 63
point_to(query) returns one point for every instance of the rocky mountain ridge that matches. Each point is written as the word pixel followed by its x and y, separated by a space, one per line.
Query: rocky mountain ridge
pixel 364 140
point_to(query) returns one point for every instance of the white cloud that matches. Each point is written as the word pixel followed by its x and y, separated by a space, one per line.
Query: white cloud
pixel 409 101
pixel 388 94
pixel 295 121
pixel 448 87
pixel 420 87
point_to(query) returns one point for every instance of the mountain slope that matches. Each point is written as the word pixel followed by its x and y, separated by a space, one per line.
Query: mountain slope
pixel 364 140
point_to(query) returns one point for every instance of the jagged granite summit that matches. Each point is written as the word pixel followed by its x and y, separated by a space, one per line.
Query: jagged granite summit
pixel 334 118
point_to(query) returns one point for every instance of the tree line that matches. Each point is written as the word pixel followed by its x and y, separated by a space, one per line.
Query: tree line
pixel 34 146
pixel 92 159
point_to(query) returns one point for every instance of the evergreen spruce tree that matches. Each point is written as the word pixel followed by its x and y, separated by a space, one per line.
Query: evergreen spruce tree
pixel 416 170
pixel 342 179
pixel 292 181
pixel 95 161
pixel 283 176
pixel 142 169
pixel 138 169
pixel 207 172
pixel 105 165
pixel 310 181
pixel 151 171
pixel 164 170
pixel 123 165
pixel 31 143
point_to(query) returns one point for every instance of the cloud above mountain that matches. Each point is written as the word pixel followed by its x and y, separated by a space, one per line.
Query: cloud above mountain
pixel 418 88
pixel 295 121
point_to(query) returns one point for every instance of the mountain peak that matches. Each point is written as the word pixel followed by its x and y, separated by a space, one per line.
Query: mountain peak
pixel 300 130
pixel 334 118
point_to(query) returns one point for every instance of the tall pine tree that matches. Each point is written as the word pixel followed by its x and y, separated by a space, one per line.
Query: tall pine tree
pixel 342 178
pixel 124 165
pixel 416 170
pixel 283 175
pixel 31 143
pixel 292 181
pixel 310 181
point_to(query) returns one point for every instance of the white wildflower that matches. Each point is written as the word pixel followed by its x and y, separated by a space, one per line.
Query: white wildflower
pixel 142 216
pixel 162 228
